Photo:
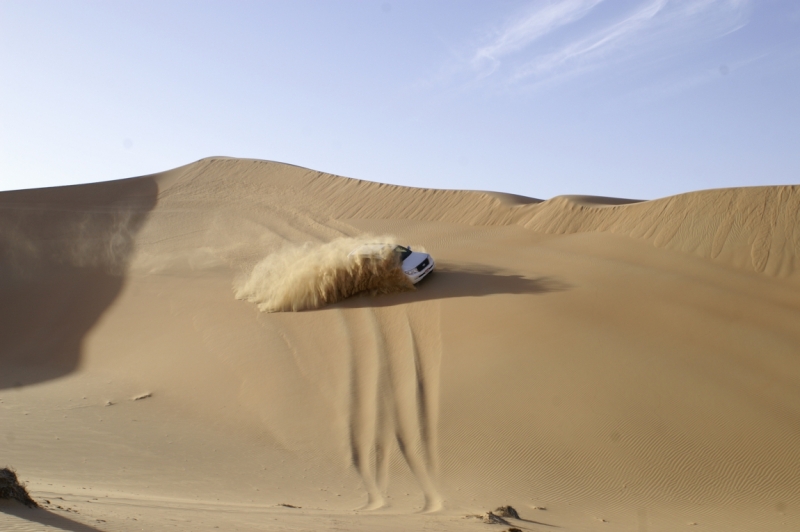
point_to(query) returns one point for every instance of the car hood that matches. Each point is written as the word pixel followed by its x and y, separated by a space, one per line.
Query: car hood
pixel 413 260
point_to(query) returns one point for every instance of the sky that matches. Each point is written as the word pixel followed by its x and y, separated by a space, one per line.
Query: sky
pixel 626 98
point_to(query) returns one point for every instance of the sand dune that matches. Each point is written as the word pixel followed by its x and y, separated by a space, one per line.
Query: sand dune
pixel 627 365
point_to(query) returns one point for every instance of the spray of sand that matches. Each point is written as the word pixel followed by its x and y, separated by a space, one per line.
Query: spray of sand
pixel 313 275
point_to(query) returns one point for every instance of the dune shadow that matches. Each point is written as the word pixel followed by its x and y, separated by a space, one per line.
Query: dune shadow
pixel 63 257
pixel 453 281
pixel 541 523
pixel 44 517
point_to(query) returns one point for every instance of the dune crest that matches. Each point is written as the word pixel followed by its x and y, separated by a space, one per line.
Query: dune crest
pixel 751 228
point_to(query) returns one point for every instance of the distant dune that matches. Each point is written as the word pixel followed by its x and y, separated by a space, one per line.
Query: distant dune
pixel 597 363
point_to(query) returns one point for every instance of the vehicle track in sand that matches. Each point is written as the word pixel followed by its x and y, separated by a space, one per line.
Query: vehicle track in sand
pixel 395 357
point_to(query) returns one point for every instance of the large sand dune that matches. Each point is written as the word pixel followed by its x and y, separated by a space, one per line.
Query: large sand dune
pixel 626 365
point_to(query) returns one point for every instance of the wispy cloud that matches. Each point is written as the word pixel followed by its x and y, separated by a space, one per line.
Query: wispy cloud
pixel 594 45
pixel 525 29
pixel 558 40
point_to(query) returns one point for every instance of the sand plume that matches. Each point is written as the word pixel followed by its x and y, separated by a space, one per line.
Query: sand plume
pixel 313 275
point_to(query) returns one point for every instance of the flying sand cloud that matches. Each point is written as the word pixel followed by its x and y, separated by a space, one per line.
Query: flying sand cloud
pixel 310 276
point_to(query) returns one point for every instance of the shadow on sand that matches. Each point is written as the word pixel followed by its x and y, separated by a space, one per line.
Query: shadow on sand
pixel 44 517
pixel 63 257
pixel 537 523
pixel 451 281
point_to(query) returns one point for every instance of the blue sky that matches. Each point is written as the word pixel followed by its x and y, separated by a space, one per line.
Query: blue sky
pixel 627 98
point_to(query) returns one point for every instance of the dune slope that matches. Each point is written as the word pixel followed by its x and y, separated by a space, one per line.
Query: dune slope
pixel 625 365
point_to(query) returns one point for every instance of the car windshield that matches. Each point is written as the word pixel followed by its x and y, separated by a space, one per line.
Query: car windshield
pixel 403 252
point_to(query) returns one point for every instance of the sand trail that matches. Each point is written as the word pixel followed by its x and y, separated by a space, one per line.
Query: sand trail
pixel 394 396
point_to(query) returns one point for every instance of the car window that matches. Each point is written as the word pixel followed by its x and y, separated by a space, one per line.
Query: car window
pixel 403 252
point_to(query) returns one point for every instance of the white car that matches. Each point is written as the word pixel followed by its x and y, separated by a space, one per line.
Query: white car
pixel 416 265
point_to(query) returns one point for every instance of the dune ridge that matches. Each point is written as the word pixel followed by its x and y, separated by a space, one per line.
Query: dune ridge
pixel 752 228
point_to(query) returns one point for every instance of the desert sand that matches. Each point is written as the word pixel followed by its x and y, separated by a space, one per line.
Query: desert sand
pixel 597 363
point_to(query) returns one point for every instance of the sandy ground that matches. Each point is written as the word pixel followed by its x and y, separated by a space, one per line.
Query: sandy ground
pixel 599 364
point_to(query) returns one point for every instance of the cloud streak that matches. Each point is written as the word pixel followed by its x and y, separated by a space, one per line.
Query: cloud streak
pixel 536 23
pixel 559 40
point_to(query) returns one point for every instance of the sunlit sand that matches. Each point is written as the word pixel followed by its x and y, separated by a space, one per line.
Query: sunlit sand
pixel 596 363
